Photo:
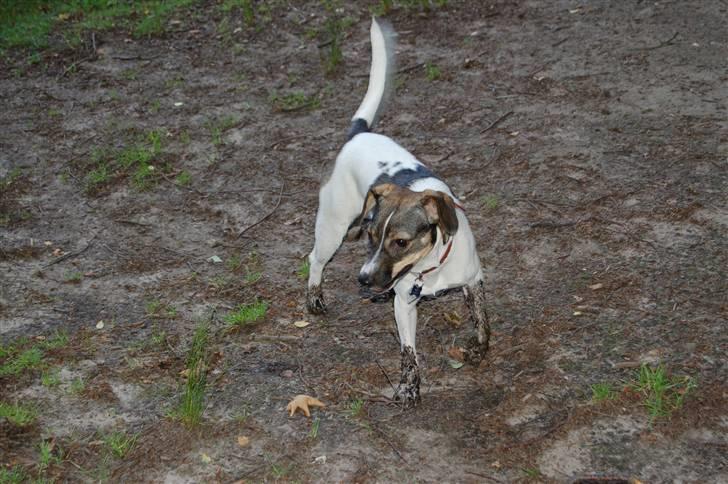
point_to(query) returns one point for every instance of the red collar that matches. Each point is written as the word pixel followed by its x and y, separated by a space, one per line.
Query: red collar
pixel 442 259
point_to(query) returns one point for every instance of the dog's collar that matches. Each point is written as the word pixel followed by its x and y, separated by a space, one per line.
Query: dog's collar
pixel 417 286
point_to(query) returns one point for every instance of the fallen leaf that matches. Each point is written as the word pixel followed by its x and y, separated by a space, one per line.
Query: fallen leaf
pixel 577 313
pixel 185 373
pixel 215 259
pixel 301 324
pixel 302 402
pixel 243 441
pixel 100 325
pixel 57 252
pixel 496 465
pixel 455 364
pixel 596 287
pixel 453 318
pixel 205 458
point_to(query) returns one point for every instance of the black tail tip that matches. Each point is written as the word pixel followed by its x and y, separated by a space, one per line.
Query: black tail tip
pixel 358 125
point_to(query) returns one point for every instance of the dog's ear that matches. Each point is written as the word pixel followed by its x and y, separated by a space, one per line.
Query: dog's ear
pixel 440 210
pixel 373 196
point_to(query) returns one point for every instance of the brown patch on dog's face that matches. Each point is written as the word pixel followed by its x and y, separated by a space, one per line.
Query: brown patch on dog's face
pixel 401 228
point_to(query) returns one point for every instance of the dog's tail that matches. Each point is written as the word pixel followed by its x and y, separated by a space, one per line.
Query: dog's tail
pixel 381 77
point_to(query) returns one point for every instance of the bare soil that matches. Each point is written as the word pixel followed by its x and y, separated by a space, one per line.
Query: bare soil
pixel 587 140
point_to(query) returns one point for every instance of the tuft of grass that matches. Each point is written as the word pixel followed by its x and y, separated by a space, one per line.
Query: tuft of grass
pixel 119 443
pixel 218 127
pixel 234 263
pixel 532 472
pixel 355 407
pixel 489 202
pixel 16 414
pixel 50 378
pixel 28 359
pixel 602 392
pixel 662 394
pixel 247 313
pixel 183 179
pixel 433 72
pixel 313 433
pixel 159 310
pixel 304 269
pixel 58 340
pixel 73 277
pixel 15 475
pixel 46 457
pixel 78 385
pixel 192 401
pixel 293 101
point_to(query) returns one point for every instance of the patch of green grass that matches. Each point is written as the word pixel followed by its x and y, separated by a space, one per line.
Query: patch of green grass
pixel 28 359
pixel 386 6
pixel 50 378
pixel 16 414
pixel 58 340
pixel 662 394
pixel 218 127
pixel 78 385
pixel 293 101
pixel 355 407
pixel 246 8
pixel 192 402
pixel 119 443
pixel 72 277
pixel 46 457
pixel 158 13
pixel 433 72
pixel 602 392
pixel 247 313
pixel 532 472
pixel 183 179
pixel 234 263
pixel 489 202
pixel 160 310
pixel 313 433
pixel 304 269
pixel 15 475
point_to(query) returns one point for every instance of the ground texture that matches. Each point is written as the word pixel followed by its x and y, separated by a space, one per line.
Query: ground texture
pixel 588 142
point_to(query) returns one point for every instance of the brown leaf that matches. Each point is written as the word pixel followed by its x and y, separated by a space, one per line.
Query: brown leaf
pixel 302 402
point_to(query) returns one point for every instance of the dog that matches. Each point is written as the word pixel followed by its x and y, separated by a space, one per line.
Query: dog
pixel 420 243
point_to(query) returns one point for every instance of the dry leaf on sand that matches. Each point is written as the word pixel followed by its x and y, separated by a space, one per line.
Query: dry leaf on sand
pixel 302 402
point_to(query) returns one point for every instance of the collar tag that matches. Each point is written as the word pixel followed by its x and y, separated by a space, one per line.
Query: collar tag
pixel 416 290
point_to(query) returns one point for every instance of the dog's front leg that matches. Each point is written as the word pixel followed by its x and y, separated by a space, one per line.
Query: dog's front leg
pixel 408 392
pixel 477 346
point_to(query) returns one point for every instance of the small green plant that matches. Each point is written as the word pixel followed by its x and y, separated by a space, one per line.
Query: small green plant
pixel 192 401
pixel 218 127
pixel 59 339
pixel 279 471
pixel 662 394
pixel 355 407
pixel 251 276
pixel 293 101
pixel 16 414
pixel 313 433
pixel 247 313
pixel 234 263
pixel 78 385
pixel 602 392
pixel 489 202
pixel 15 475
pixel 50 378
pixel 184 178
pixel 73 277
pixel 119 443
pixel 433 72
pixel 304 269
pixel 28 359
pixel 532 472
pixel 46 457
pixel 159 310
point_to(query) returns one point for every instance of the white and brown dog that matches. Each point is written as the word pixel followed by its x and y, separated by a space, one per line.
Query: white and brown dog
pixel 419 238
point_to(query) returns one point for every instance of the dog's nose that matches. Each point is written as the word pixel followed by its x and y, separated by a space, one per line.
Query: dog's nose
pixel 364 279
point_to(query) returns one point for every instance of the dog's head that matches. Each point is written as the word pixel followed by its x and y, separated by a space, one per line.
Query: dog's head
pixel 402 229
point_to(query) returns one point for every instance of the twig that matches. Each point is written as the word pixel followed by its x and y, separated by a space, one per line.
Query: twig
pixel 560 42
pixel 661 44
pixel 71 254
pixel 265 217
pixel 384 436
pixel 385 375
pixel 73 66
pixel 497 122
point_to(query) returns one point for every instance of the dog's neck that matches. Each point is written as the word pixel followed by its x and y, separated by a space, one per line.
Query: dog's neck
pixel 436 257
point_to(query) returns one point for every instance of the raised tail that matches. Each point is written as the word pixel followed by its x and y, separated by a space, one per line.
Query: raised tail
pixel 381 77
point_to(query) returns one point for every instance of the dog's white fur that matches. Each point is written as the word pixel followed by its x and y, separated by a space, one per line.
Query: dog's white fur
pixel 342 197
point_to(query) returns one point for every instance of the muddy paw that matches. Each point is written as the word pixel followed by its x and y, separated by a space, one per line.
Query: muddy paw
pixel 474 352
pixel 315 301
pixel 407 395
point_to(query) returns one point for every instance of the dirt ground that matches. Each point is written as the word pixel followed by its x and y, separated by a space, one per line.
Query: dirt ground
pixel 587 140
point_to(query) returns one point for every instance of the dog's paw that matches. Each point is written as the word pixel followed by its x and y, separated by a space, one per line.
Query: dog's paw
pixel 474 351
pixel 407 395
pixel 315 300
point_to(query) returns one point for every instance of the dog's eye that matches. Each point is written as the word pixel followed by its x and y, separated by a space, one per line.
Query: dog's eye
pixel 401 243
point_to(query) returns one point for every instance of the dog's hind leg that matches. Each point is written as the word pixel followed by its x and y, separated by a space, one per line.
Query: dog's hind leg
pixel 408 391
pixel 477 346
pixel 332 222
